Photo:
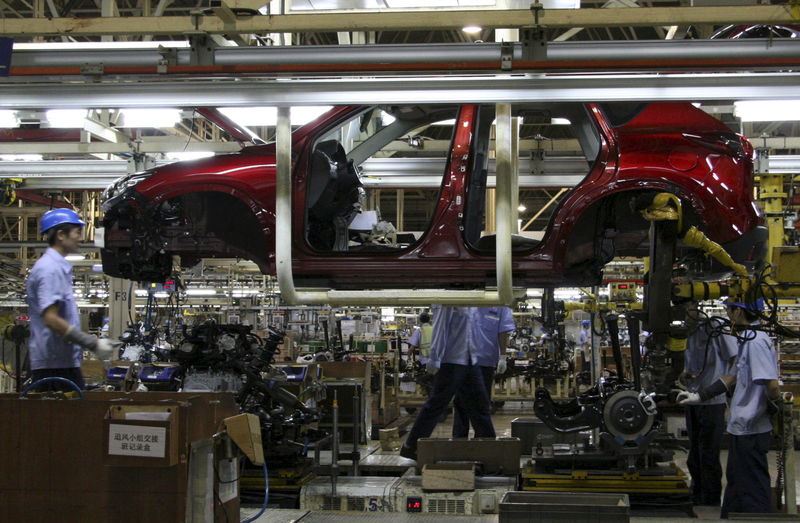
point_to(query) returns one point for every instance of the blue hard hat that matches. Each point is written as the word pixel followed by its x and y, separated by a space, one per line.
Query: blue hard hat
pixel 757 305
pixel 586 323
pixel 56 217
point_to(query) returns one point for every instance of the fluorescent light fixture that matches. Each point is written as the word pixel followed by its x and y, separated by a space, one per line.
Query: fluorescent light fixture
pixel 767 110
pixel 160 295
pixel 8 119
pixel 472 29
pixel 21 157
pixel 559 121
pixel 149 117
pixel 533 293
pixel 268 116
pixel 75 257
pixel 201 292
pixel 140 293
pixel 188 155
pixel 66 118
pixel 522 208
pixel 452 121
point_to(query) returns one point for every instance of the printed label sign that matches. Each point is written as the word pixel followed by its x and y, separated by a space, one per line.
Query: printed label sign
pixel 136 440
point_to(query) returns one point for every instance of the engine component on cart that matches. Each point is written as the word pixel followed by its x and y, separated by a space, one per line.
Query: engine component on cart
pixel 211 381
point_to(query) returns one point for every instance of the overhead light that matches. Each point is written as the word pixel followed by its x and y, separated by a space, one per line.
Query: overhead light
pixel 140 292
pixel 200 292
pixel 21 157
pixel 188 155
pixel 75 257
pixel 767 110
pixel 8 119
pixel 66 118
pixel 533 293
pixel 160 295
pixel 559 121
pixel 149 117
pixel 522 208
pixel 268 116
pixel 472 29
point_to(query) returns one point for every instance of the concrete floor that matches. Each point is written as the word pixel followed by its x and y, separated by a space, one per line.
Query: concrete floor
pixel 502 422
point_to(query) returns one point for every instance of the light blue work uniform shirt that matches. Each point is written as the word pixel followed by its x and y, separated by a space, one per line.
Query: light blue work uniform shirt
pixel 463 335
pixel 415 340
pixel 756 364
pixel 720 350
pixel 487 324
pixel 452 336
pixel 50 283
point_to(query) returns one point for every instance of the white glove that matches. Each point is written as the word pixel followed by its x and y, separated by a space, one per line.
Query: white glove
pixel 430 368
pixel 688 398
pixel 502 365
pixel 104 349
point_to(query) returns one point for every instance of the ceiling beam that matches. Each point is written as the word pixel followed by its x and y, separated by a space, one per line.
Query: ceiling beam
pixel 439 19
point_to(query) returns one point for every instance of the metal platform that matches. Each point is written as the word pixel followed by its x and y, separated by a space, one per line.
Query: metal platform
pixel 663 487
pixel 333 517
pixel 380 464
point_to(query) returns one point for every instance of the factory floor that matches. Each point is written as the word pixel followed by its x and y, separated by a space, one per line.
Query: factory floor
pixel 502 423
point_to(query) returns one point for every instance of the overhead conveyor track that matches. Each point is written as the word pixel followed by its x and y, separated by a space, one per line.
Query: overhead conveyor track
pixel 400 89
pixel 715 55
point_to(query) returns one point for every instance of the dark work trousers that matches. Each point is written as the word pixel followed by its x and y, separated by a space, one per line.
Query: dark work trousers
pixel 73 374
pixel 748 489
pixel 705 424
pixel 464 396
pixel 447 382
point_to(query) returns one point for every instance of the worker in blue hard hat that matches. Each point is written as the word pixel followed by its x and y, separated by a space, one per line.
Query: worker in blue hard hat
pixel 755 398
pixel 708 357
pixel 57 343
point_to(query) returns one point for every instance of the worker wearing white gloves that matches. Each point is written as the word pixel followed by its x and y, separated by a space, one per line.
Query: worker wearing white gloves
pixel 755 398
pixel 708 357
pixel 454 362
pixel 57 343
pixel 491 327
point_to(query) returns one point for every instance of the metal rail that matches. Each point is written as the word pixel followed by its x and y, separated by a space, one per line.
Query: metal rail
pixel 654 51
pixel 403 90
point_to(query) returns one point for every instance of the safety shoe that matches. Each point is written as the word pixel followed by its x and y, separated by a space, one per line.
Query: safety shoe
pixel 408 452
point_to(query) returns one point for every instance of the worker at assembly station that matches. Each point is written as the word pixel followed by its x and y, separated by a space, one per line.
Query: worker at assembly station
pixel 57 343
pixel 454 361
pixel 708 357
pixel 490 332
pixel 755 398
pixel 420 340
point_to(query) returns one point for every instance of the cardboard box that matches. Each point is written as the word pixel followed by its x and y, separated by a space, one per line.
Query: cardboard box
pixel 141 436
pixel 245 431
pixel 449 476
